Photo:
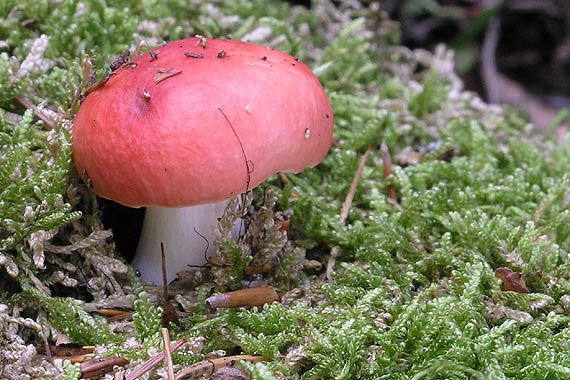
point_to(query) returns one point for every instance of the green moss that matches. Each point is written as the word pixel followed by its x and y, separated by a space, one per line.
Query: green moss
pixel 413 293
pixel 146 315
pixel 67 316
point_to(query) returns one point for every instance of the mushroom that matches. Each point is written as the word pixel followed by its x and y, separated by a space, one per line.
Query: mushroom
pixel 187 126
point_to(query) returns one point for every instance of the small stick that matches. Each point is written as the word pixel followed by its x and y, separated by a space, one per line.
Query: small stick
pixel 119 376
pixel 350 196
pixel 80 358
pixel 244 297
pixel 258 269
pixel 138 48
pixel 164 278
pixel 63 351
pixel 99 366
pixel 167 353
pixel 128 314
pixel 169 313
pixel 153 361
pixel 112 312
pixel 207 367
pixel 119 317
pixel 346 207
pixel 28 104
pixel 86 70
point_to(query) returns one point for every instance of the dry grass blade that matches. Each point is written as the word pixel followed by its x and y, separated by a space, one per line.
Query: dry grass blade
pixel 167 353
pixel 346 207
pixel 350 196
pixel 243 298
pixel 153 361
pixel 82 84
pixel 207 367
pixel 164 73
pixel 164 276
pixel 28 104
pixel 100 366
pixel 113 312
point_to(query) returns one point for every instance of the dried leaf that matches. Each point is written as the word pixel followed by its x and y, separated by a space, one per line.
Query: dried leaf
pixel 165 73
pixel 511 280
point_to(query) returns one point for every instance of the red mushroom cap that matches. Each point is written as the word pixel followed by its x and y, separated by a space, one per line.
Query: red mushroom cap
pixel 188 124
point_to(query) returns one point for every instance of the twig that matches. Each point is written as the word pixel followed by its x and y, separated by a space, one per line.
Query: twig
pixel 346 207
pixel 250 269
pixel 164 278
pixel 84 79
pixel 350 196
pixel 207 367
pixel 111 313
pixel 153 361
pixel 120 317
pixel 117 315
pixel 167 353
pixel 169 313
pixel 28 104
pixel 81 358
pixel 100 366
pixel 243 297
pixel 138 48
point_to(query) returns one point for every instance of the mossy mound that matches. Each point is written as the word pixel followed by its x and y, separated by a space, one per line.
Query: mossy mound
pixel 410 292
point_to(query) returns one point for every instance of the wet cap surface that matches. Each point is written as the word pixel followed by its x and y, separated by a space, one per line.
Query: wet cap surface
pixel 184 124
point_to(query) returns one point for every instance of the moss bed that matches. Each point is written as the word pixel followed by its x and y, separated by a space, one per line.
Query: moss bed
pixel 410 291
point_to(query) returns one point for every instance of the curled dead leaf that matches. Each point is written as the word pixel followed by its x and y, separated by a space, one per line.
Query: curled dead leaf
pixel 511 280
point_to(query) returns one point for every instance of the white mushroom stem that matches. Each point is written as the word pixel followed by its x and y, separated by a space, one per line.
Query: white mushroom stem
pixel 176 228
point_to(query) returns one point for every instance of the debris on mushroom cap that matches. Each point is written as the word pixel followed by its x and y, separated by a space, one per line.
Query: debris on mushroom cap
pixel 192 142
pixel 164 73
pixel 193 54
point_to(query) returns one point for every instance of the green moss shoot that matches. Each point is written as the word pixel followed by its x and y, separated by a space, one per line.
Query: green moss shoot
pixel 412 293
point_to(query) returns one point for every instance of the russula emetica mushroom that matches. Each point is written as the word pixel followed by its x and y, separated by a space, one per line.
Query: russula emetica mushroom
pixel 189 124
